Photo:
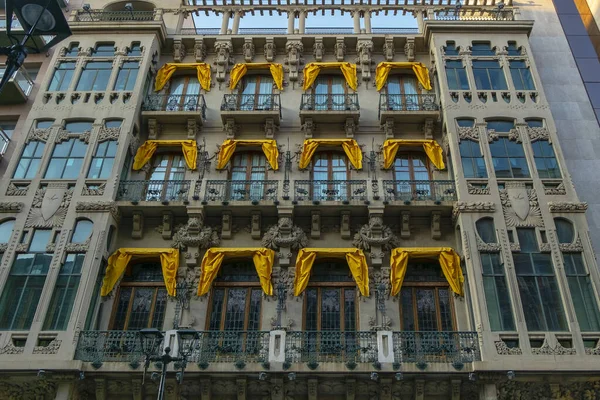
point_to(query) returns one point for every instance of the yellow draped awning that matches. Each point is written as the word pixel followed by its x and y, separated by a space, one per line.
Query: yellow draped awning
pixel 311 71
pixel 269 147
pixel 239 70
pixel 431 147
pixel 118 261
pixel 166 72
pixel 350 147
pixel 147 150
pixel 420 70
pixel 263 262
pixel 356 262
pixel 449 262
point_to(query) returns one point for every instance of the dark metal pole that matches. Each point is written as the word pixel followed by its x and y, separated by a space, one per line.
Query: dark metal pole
pixel 166 358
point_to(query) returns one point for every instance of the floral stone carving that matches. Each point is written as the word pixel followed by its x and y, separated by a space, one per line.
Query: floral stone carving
pixel 285 234
pixel 375 233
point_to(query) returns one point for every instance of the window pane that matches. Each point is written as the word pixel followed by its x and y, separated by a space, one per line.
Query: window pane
pixel 584 302
pixel 139 315
pixel 486 230
pixel 465 122
pixel 500 126
pixel 235 309
pixel 83 230
pixel 6 229
pixel 426 310
pixel 527 240
pixel 41 238
pixel 330 310
pixel 408 323
pixel 218 296
pixel 64 294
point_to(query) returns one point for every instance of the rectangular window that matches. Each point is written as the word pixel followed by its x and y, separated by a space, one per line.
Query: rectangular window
pixel 482 49
pixel 104 50
pixel 61 80
pixel 509 159
pixel 488 75
pixel 521 75
pixel 582 292
pixel 135 50
pixel 496 293
pixel 67 159
pixel 30 160
pixel 450 49
pixel 24 285
pixel 512 49
pixel 103 160
pixel 95 76
pixel 472 160
pixel 456 75
pixel 542 304
pixel 545 160
pixel 127 76
pixel 64 294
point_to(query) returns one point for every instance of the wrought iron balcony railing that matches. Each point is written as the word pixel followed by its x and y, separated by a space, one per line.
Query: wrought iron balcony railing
pixel 113 16
pixel 251 102
pixel 408 102
pixel 408 191
pixel 330 102
pixel 318 191
pixel 422 348
pixel 311 347
pixel 338 347
pixel 163 191
pixel 175 102
pixel 471 14
pixel 308 31
pixel 254 191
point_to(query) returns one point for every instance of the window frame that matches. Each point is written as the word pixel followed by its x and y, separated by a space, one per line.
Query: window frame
pixel 519 72
pixel 37 148
pixel 104 157
pixel 73 140
pixel 539 158
pixel 459 74
pixel 499 298
pixel 94 77
pixel 66 78
pixel 576 277
pixel 472 159
pixel 126 87
pixel 477 65
pixel 508 157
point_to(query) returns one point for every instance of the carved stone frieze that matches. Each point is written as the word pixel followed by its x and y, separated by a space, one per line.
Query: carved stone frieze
pixel 52 209
pixel 93 189
pixel 105 134
pixel 375 233
pixel 555 190
pixel 78 247
pixel 468 133
pixel 285 234
pixel 472 207
pixel 520 205
pixel 29 389
pixel 545 349
pixel 518 390
pixel 294 58
pixel 10 348
pixel 559 350
pixel 63 135
pixel 503 349
pixel 11 206
pixel 492 135
pixel 98 206
pixel 538 133
pixel 567 206
pixel 3 247
pixel 575 247
pixel 14 190
pixel 52 348
pixel 39 135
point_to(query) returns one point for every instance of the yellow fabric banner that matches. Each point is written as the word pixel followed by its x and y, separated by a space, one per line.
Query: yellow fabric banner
pixel 383 69
pixel 118 261
pixel 269 147
pixel 356 262
pixel 211 263
pixel 311 71
pixel 147 150
pixel 432 149
pixel 239 70
pixel 350 147
pixel 165 73
pixel 449 262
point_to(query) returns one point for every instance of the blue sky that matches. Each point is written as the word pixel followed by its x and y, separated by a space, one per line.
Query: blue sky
pixel 317 21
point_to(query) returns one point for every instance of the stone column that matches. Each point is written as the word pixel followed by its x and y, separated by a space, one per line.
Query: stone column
pixel 367 21
pixel 236 22
pixel 302 22
pixel 291 20
pixel 356 18
pixel 225 23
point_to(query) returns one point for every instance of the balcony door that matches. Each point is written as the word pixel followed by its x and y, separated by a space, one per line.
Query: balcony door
pixel 330 93
pixel 412 176
pixel 141 298
pixel 403 93
pixel 257 93
pixel 166 178
pixel 330 177
pixel 248 175
pixel 183 94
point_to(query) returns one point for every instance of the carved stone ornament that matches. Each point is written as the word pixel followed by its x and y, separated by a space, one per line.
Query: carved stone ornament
pixel 576 247
pixel 49 206
pixel 388 128
pixel 191 235
pixel 567 206
pixel 520 205
pixel 294 58
pixel 468 133
pixel 339 49
pixel 78 247
pixel 63 135
pixel 503 349
pixel 52 348
pixel 270 50
pixel 93 189
pixel 98 206
pixel 409 49
pixel 518 390
pixel 364 50
pixel 555 190
pixel 472 207
pixel 105 134
pixel 487 247
pixel 14 190
pixel 199 50
pixel 375 233
pixel 223 59
pixel 318 49
pixel 477 190
pixel 285 234
pixel 248 50
pixel 388 49
pixel 178 51
pixel 9 348
pixel 514 135
pixel 39 135
pixel 538 133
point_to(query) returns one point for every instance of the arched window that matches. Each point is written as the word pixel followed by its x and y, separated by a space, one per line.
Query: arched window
pixel 141 299
pixel 486 230
pixel 256 93
pixel 235 298
pixel 330 174
pixel 248 173
pixel 6 229
pixel 82 232
pixel 564 230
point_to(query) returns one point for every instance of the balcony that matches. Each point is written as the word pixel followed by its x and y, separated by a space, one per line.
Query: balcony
pixel 420 192
pixel 113 16
pixel 174 108
pixel 153 191
pixel 330 191
pixel 249 191
pixel 408 108
pixel 251 108
pixel 471 14
pixel 248 349
pixel 330 108
pixel 17 89
pixel 307 31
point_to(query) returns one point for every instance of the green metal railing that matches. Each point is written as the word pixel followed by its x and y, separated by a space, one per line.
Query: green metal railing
pixel 321 346
pixel 409 191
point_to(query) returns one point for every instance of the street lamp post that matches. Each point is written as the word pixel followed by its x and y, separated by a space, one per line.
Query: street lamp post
pixel 37 17
pixel 151 339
